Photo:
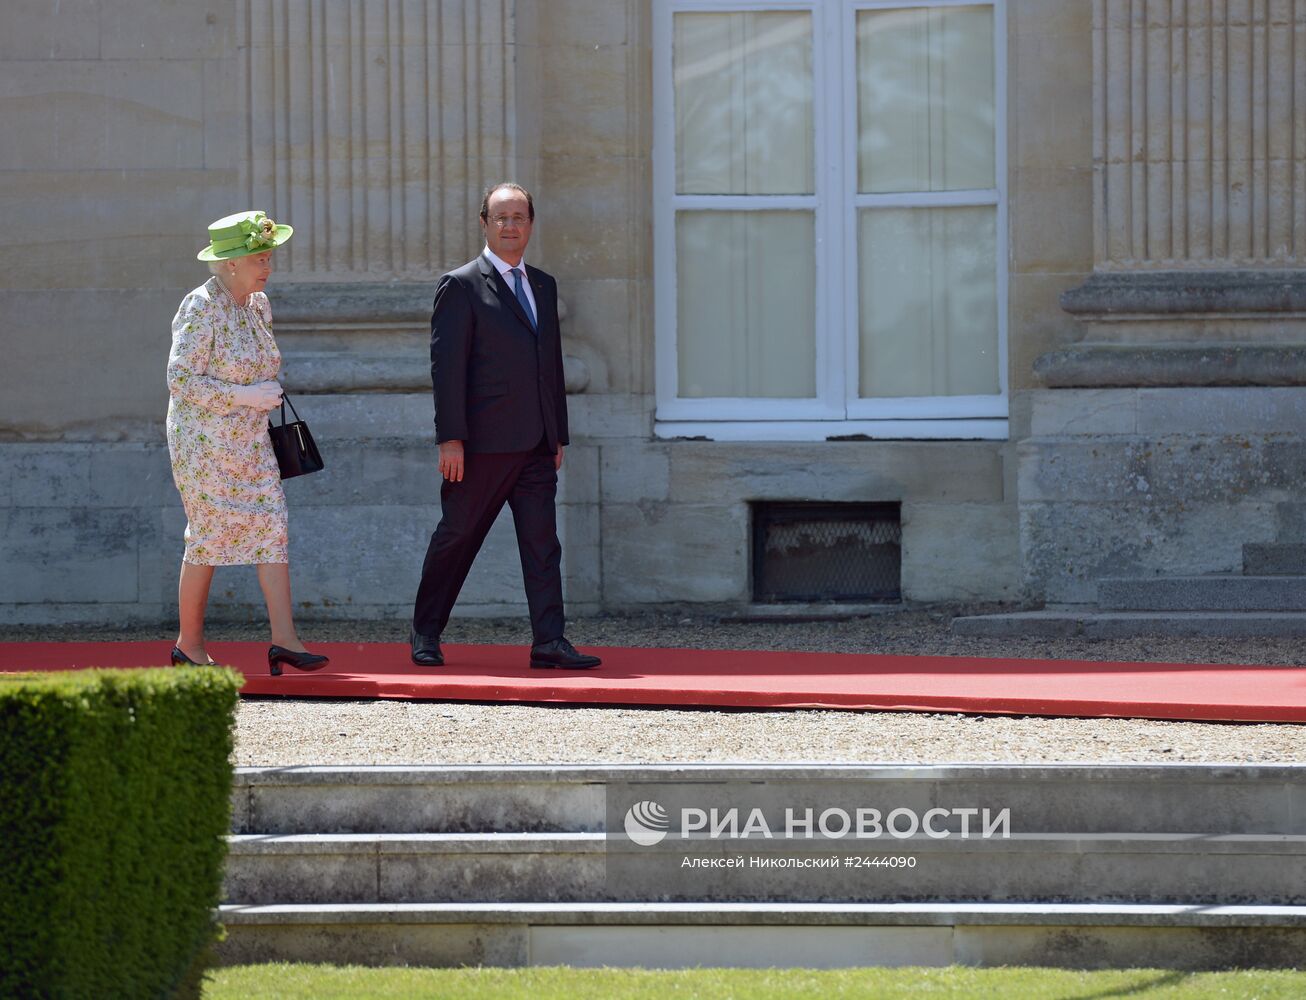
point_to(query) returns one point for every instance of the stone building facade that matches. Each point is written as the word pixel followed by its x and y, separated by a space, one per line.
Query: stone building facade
pixel 1028 271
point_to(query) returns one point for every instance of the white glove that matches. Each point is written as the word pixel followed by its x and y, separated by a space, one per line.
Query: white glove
pixel 259 396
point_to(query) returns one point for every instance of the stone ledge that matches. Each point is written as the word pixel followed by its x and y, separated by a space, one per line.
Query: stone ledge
pixel 357 303
pixel 567 843
pixel 352 303
pixel 1092 624
pixel 1177 293
pixel 600 774
pixel 334 372
pixel 1109 365
pixel 828 914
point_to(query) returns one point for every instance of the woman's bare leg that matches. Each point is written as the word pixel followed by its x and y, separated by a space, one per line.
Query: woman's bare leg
pixel 192 599
pixel 274 578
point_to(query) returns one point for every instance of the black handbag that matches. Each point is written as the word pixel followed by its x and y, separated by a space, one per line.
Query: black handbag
pixel 296 451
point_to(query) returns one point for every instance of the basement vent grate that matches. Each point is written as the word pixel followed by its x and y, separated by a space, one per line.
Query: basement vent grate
pixel 809 552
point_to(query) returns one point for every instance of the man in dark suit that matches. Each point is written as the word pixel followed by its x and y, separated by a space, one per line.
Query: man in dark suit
pixel 501 424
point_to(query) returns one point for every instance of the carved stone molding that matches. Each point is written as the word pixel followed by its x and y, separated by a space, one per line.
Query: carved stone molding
pixel 338 337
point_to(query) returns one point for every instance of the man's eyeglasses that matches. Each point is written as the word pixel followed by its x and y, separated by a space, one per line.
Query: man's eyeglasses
pixel 514 220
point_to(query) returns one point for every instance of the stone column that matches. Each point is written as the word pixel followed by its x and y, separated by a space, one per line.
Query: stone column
pixel 1199 171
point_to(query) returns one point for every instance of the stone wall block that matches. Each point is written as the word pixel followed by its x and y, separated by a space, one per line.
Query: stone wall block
pixel 1037 321
pixel 1051 56
pixel 224 130
pixel 129 115
pixel 838 471
pixel 67 230
pixel 1052 219
pixel 1227 469
pixel 578 479
pixel 659 553
pixel 130 475
pixel 32 34
pixel 960 552
pixel 342 557
pixel 68 554
pixel 636 472
pixel 120 342
pixel 355 473
pixel 586 194
pixel 177 29
pixel 582 553
pixel 160 546
pixel 1106 470
pixel 367 560
pixel 1291 522
pixel 603 322
pixel 593 90
pixel 1067 547
pixel 601 417
pixel 1222 411
pixel 44 475
pixel 345 418
pixel 1095 412
pixel 591 24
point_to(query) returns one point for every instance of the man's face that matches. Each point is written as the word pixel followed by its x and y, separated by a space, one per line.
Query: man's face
pixel 508 228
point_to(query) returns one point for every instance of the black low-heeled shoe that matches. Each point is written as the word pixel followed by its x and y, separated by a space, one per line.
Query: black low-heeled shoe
pixel 180 659
pixel 278 655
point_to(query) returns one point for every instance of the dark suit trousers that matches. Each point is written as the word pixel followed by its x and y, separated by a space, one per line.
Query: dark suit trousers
pixel 528 483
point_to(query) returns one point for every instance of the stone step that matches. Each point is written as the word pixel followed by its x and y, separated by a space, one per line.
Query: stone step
pixel 419 799
pixel 1285 559
pixel 585 867
pixel 1291 521
pixel 1202 593
pixel 1054 798
pixel 766 935
pixel 1087 622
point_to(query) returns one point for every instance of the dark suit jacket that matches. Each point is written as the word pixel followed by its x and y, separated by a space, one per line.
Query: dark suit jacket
pixel 498 384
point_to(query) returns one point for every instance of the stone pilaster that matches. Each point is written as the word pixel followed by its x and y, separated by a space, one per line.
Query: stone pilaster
pixel 372 127
pixel 1199 171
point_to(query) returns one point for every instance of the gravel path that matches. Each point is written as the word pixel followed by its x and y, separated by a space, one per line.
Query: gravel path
pixel 276 731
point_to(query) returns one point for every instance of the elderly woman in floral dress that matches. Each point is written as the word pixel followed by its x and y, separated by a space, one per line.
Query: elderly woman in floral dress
pixel 222 382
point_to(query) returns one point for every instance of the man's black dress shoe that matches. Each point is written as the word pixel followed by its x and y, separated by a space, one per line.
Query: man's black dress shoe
pixel 426 649
pixel 277 655
pixel 562 654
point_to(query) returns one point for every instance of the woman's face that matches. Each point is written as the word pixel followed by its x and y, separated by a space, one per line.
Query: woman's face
pixel 251 272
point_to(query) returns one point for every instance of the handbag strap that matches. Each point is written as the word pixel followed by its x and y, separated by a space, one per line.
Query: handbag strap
pixel 284 400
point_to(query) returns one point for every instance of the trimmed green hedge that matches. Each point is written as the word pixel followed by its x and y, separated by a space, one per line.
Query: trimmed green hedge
pixel 115 790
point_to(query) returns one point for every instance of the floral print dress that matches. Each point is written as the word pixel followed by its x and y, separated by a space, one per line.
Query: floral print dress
pixel 222 459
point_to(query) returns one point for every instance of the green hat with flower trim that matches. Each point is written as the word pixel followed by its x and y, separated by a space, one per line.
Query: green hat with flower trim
pixel 243 234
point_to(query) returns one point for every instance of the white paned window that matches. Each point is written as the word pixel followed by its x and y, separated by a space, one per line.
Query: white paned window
pixel 830 219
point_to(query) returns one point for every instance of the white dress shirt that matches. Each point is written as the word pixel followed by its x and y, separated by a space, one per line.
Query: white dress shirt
pixel 505 269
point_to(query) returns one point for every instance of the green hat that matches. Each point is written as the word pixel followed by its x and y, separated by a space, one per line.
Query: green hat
pixel 243 234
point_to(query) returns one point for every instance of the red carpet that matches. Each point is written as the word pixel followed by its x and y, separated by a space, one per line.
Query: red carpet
pixel 714 678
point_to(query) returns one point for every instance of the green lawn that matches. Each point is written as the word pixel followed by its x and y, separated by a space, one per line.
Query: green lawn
pixel 325 982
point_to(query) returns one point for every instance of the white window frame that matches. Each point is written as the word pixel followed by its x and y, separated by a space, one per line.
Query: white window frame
pixel 836 411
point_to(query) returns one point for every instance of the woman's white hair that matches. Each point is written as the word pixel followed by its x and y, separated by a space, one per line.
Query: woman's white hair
pixel 215 266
